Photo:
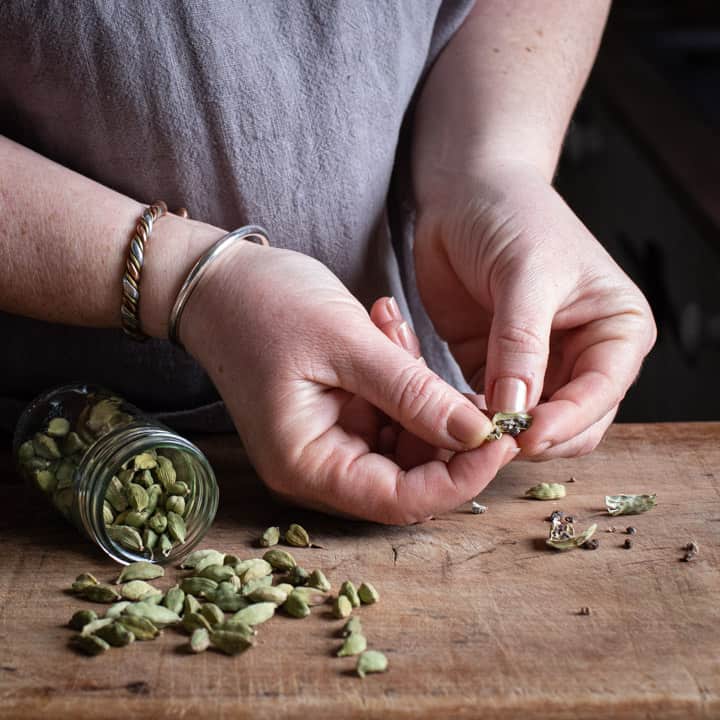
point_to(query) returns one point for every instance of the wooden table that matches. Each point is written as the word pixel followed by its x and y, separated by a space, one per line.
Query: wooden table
pixel 477 617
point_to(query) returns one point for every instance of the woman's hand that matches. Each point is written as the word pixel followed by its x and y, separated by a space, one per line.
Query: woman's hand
pixel 310 382
pixel 535 311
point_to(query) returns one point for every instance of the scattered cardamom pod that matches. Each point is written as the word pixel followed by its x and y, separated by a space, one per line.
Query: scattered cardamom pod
pixel 142 628
pixel 117 609
pixel 229 642
pixel 629 504
pixel 267 593
pixel 212 613
pixel 199 640
pixel 150 539
pixel 546 491
pixel 250 587
pixel 230 601
pixel 254 569
pixel 174 599
pixel 354 644
pixel 218 573
pixel 100 593
pixel 270 537
pixel 342 607
pixel 140 570
pixel 255 614
pixel 318 580
pixel 371 661
pixel 368 594
pixel 199 587
pixel 209 561
pixel 297 536
pixel 191 604
pixel 82 581
pixel 157 614
pixel 94 625
pixel 138 590
pixel 115 634
pixel 298 576
pixel 348 589
pixel 312 596
pixel 280 559
pixel 81 618
pixel 295 606
pixel 193 621
pixel 353 625
pixel 90 644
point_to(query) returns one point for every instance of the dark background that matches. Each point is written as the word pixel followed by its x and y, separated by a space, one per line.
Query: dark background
pixel 641 168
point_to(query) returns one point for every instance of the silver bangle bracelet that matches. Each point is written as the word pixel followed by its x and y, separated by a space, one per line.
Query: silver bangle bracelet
pixel 251 233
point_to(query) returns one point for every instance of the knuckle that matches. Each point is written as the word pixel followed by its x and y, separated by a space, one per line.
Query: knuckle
pixel 416 390
pixel 520 339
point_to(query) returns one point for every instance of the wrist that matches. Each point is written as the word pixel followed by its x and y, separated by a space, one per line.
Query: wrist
pixel 174 246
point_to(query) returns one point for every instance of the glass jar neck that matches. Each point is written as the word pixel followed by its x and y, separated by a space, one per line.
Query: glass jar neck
pixel 103 461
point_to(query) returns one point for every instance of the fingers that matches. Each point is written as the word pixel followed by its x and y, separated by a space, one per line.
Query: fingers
pixel 385 374
pixel 386 314
pixel 518 345
pixel 367 485
pixel 609 353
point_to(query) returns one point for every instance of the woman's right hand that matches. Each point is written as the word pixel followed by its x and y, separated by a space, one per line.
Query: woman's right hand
pixel 310 382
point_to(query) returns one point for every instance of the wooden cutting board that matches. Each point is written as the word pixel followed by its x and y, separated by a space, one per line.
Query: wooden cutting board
pixel 477 617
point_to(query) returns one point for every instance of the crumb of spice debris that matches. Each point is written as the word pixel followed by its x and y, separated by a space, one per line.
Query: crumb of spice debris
pixel 628 544
pixel 630 530
pixel 570 519
pixel 691 551
pixel 572 479
pixel 477 509
pixel 555 515
pixel 591 544
pixel 611 529
pixel 584 611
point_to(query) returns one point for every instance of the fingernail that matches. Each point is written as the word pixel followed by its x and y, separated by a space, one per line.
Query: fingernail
pixel 542 447
pixel 393 309
pixel 469 426
pixel 509 395
pixel 406 337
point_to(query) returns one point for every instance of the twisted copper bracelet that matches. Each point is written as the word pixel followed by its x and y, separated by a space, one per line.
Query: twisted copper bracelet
pixel 131 277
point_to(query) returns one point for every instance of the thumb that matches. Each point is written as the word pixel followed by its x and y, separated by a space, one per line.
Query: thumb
pixel 518 346
pixel 406 390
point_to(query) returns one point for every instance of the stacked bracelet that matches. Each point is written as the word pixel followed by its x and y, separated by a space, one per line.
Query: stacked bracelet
pixel 131 277
pixel 251 233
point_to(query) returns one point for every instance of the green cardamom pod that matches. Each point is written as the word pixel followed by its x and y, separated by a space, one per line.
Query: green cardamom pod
pixel 255 614
pixel 81 618
pixel 94 625
pixel 165 472
pixel 280 559
pixel 58 427
pixel 230 601
pixel 295 606
pixel 253 585
pixel 72 444
pixel 348 589
pixel 190 562
pixel 229 642
pixel 175 504
pixel 297 536
pixel 353 625
pixel 191 604
pixel 157 614
pixel 212 613
pixel 126 536
pixel 546 491
pixel 125 476
pixel 150 539
pixel 193 621
pixel 138 590
pixel 165 544
pixel 312 596
pixel 268 594
pixel 178 488
pixel 120 519
pixel 209 561
pixel 145 461
pixel 26 451
pixel 46 447
pixel 341 606
pixel 199 640
pixel 199 587
pixel 100 593
pixel 237 626
pixel 101 415
pixel 174 599
pixel 46 480
pixel 140 627
pixel 629 504
pixel 318 580
pixel 218 573
pixel 371 661
pixel 144 478
pixel 354 644
pixel 368 594
pixel 64 474
pixel 285 587
pixel 231 560
pixel 137 518
pixel 90 644
pixel 115 635
pixel 140 570
pixel 176 527
pixel 154 493
pixel 158 522
pixel 108 514
pixel 298 576
pixel 256 568
pixel 155 598
pixel 270 537
pixel 84 580
pixel 115 495
pixel 117 609
pixel 183 465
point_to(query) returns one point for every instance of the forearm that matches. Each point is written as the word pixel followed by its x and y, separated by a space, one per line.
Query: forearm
pixel 64 241
pixel 504 89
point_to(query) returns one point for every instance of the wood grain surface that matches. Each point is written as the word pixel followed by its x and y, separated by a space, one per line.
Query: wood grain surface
pixel 477 617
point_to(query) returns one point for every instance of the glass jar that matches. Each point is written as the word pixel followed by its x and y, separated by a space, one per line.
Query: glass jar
pixel 136 488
